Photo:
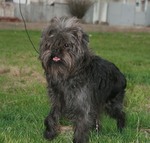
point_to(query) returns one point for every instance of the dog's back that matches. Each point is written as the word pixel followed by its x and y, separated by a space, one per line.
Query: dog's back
pixel 108 78
pixel 109 85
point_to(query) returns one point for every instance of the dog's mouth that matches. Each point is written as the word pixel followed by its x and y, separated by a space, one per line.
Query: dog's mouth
pixel 56 59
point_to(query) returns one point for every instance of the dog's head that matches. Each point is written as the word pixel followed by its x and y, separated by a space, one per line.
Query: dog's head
pixel 63 47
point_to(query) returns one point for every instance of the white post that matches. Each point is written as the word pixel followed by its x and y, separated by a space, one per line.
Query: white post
pixel 146 4
pixel 22 1
pixel 96 11
pixel 104 12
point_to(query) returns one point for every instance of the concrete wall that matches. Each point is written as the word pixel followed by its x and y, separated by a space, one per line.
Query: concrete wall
pixel 89 15
pixel 147 16
pixel 120 14
pixel 6 9
pixel 40 13
pixel 36 12
pixel 126 14
pixel 140 18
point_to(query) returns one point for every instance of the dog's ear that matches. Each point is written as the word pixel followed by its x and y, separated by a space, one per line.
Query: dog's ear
pixel 81 35
pixel 85 38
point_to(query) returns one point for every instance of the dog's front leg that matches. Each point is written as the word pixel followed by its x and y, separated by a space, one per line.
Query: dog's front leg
pixel 51 122
pixel 81 131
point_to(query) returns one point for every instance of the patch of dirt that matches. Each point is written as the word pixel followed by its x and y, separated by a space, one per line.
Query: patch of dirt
pixel 64 129
pixel 145 130
pixel 9 19
pixel 25 72
pixel 4 70
pixel 38 77
pixel 87 27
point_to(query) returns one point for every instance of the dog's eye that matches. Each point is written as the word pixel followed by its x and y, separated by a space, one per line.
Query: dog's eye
pixel 66 45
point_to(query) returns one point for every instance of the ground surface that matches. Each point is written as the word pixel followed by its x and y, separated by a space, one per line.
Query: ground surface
pixel 23 100
pixel 86 27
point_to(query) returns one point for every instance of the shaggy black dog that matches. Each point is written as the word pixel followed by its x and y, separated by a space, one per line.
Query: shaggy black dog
pixel 81 86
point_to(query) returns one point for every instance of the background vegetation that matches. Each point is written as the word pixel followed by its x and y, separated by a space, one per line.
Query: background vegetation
pixel 78 8
pixel 23 100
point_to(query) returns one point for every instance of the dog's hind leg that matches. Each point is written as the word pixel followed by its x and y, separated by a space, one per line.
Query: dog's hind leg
pixel 97 124
pixel 114 109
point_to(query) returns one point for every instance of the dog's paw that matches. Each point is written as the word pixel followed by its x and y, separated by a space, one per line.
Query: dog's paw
pixel 49 135
pixel 79 141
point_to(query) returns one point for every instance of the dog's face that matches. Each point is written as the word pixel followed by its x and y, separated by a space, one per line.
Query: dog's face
pixel 63 47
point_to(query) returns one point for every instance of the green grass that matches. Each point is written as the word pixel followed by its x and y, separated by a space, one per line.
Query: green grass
pixel 23 100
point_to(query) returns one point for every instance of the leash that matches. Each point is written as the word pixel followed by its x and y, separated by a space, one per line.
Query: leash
pixel 25 26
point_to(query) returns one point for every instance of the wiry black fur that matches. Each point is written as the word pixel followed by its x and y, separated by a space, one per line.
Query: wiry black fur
pixel 80 85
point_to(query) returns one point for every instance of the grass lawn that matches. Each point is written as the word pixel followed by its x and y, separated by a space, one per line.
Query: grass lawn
pixel 23 100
